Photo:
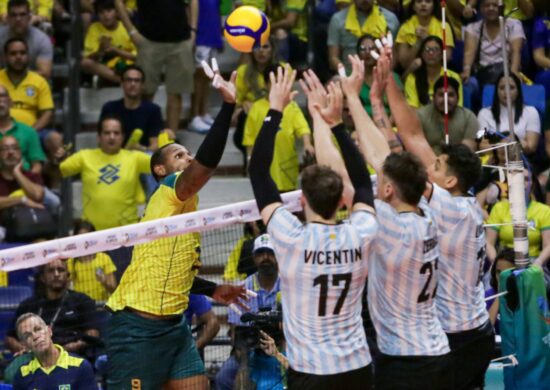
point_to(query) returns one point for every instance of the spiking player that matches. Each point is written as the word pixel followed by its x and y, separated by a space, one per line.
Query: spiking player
pixel 149 344
pixel 460 298
pixel 323 264
pixel 414 351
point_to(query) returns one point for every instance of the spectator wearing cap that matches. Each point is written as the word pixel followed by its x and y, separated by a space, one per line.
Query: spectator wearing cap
pixel 265 283
pixel 463 124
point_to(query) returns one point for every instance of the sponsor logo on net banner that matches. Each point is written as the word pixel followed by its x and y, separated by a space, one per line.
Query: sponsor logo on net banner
pixel 191 223
pixel 90 244
pixel 244 212
pixel 70 247
pixel 207 220
pixel 170 228
pixel 29 255
pixel 227 215
pixel 111 239
pixel 151 231
pixel 6 260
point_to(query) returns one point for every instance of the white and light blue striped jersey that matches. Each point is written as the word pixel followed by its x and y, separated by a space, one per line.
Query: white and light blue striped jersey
pixel 460 297
pixel 403 277
pixel 322 270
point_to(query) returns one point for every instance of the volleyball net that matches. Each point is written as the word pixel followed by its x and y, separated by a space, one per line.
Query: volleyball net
pixel 91 264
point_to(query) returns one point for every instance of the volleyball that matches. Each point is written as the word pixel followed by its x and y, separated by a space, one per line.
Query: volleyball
pixel 246 28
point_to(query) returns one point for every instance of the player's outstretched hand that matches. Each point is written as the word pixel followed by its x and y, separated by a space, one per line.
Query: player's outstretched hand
pixel 352 84
pixel 281 93
pixel 227 89
pixel 228 294
pixel 328 105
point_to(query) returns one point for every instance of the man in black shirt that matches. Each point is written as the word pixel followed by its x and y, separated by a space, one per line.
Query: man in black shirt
pixel 134 112
pixel 164 38
pixel 70 314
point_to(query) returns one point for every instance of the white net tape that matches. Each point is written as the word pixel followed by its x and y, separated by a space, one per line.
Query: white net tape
pixel 84 244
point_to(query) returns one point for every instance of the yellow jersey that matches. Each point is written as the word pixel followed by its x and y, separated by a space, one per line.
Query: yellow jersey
pixel 411 92
pixel 538 217
pixel 300 28
pixel 3 279
pixel 110 184
pixel 407 32
pixel 285 165
pixel 244 91
pixel 31 96
pixel 161 273
pixel 83 275
pixel 119 38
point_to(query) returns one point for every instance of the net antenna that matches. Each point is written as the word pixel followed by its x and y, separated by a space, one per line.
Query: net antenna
pixel 514 165
pixel 445 73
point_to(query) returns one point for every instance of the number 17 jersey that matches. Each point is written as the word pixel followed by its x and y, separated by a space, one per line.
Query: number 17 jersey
pixel 322 269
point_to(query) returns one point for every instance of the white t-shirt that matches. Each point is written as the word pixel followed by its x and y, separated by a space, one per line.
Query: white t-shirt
pixel 491 50
pixel 529 121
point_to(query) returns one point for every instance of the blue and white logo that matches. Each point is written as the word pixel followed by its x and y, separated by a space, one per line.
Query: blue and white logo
pixel 109 174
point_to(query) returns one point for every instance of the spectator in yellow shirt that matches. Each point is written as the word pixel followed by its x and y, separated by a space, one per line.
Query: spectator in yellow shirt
pixel 423 22
pixel 110 177
pixel 250 86
pixel 425 71
pixel 32 102
pixel 107 47
pixel 538 220
pixel 93 275
pixel 285 165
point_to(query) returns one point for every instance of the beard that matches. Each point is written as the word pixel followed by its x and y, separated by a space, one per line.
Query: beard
pixel 267 269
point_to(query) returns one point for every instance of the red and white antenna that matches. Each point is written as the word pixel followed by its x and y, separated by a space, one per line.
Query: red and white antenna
pixel 445 75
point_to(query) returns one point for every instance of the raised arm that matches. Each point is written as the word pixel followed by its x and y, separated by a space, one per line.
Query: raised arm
pixel 373 144
pixel 326 114
pixel 265 191
pixel 211 150
pixel 408 124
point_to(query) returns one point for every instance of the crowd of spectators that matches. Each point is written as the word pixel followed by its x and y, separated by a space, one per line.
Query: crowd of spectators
pixel 139 45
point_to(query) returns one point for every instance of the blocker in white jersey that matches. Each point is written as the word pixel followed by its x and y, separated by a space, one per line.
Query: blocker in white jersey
pixel 322 271
pixel 460 296
pixel 322 263
pixel 403 283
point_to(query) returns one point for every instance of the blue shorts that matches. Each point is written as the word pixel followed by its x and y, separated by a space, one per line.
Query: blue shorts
pixel 145 353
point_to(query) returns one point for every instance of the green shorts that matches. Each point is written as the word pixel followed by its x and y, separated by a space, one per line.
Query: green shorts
pixel 145 354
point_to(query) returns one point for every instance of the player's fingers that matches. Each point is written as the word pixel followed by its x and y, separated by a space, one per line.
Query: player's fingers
pixel 235 308
pixel 207 69
pixel 272 79
pixel 215 67
pixel 305 85
pixel 242 305
pixel 341 70
pixel 233 77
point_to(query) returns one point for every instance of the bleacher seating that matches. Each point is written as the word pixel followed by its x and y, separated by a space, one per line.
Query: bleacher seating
pixel 12 296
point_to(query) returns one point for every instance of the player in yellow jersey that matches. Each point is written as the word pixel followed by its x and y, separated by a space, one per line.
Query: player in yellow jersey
pixel 149 345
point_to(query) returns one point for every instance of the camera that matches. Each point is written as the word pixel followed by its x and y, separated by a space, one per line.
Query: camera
pixel 266 320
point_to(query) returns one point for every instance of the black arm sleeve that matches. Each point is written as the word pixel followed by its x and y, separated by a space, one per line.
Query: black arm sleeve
pixel 203 287
pixel 356 167
pixel 265 190
pixel 211 150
